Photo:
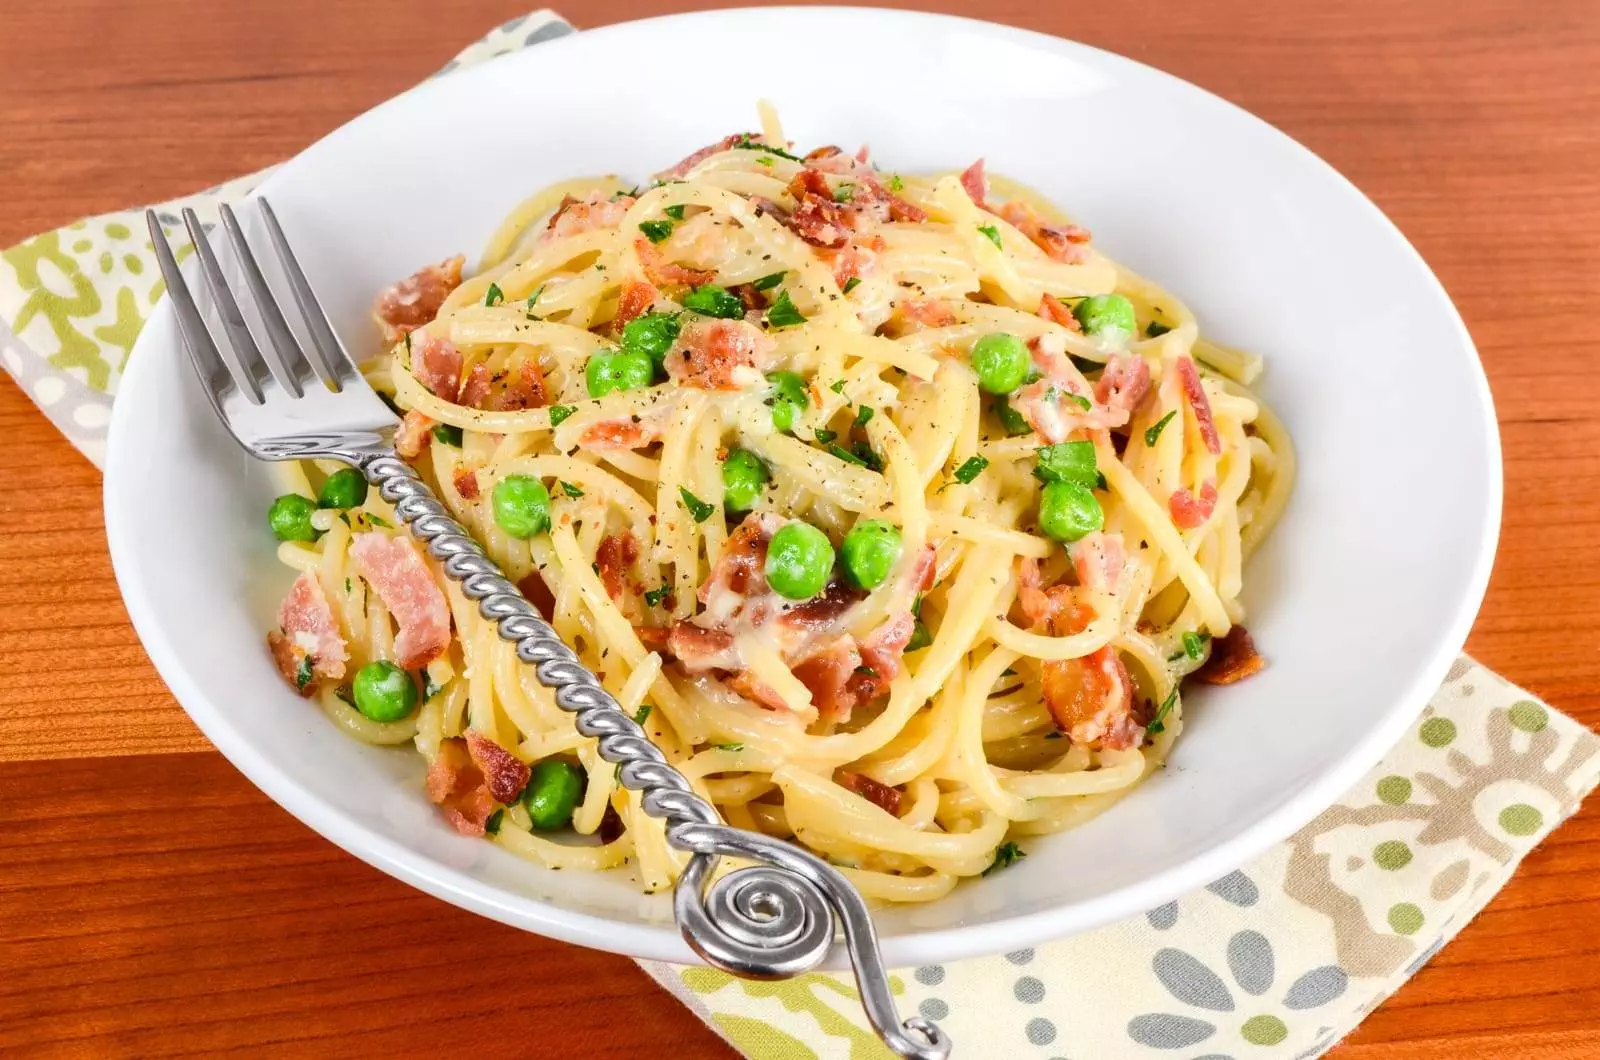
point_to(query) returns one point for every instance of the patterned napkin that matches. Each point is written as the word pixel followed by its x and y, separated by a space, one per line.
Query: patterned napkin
pixel 1276 960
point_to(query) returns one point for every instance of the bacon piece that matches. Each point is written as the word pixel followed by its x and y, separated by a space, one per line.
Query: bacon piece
pixel 879 794
pixel 465 481
pixel 880 656
pixel 1052 309
pixel 619 434
pixel 415 300
pixel 635 300
pixel 307 631
pixel 456 785
pixel 713 354
pixel 412 436
pixel 503 772
pixel 394 568
pixel 855 259
pixel 1195 391
pixel 616 556
pixel 525 389
pixel 1063 243
pixel 827 673
pixel 1092 699
pixel 869 196
pixel 1189 511
pixel 828 151
pixel 754 689
pixel 436 363
pixel 748 297
pixel 976 184
pixel 927 568
pixel 699 649
pixel 1056 610
pixel 655 638
pixel 822 611
pixel 475 391
pixel 737 585
pixel 682 168
pixel 1123 385
pixel 538 594
pixel 664 273
pixel 574 216
pixel 1233 658
pixel 1099 559
pixel 926 312
pixel 817 219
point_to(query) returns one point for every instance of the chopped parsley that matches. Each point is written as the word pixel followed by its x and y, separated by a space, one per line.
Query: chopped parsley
pixel 1005 854
pixel 844 192
pixel 656 597
pixel 533 299
pixel 971 469
pixel 302 673
pixel 494 296
pixel 1079 400
pixel 1014 422
pixel 1194 644
pixel 698 509
pixel 559 414
pixel 1155 329
pixel 865 454
pixel 448 435
pixel 376 520
pixel 674 212
pixel 920 637
pixel 991 233
pixel 825 436
pixel 749 144
pixel 782 313
pixel 730 746
pixel 429 687
pixel 642 714
pixel 656 231
pixel 846 455
pixel 1067 462
pixel 767 283
pixel 864 415
pixel 837 386
pixel 765 162
pixel 1153 433
pixel 895 183
pixel 569 489
pixel 492 825
pixel 851 284
pixel 1158 724
pixel 347 585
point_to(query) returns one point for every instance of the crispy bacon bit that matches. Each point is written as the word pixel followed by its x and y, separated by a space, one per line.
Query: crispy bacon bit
pixel 1189 511
pixel 437 365
pixel 926 570
pixel 699 649
pixel 504 773
pixel 825 151
pixel 1063 243
pixel 924 313
pixel 395 569
pixel 748 296
pixel 635 300
pixel 856 258
pixel 654 638
pixel 713 354
pixel 827 673
pixel 456 785
pixel 413 434
pixel 817 219
pixel 1099 559
pixel 307 631
pixel 871 198
pixel 475 391
pixel 879 794
pixel 1052 309
pixel 819 613
pixel 1056 610
pixel 415 300
pixel 538 594
pixel 880 656
pixel 616 556
pixel 737 586
pixel 524 390
pixel 976 184
pixel 619 434
pixel 597 211
pixel 1195 391
pixel 1092 699
pixel 664 273
pixel 754 689
pixel 465 481
pixel 680 170
pixel 1233 658
pixel 1123 385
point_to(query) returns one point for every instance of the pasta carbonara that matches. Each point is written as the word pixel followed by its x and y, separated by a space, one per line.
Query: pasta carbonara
pixel 892 509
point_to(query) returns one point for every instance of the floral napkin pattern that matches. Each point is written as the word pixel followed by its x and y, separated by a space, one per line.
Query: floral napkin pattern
pixel 1278 959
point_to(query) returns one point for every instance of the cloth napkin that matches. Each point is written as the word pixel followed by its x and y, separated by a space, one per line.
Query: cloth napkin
pixel 1277 959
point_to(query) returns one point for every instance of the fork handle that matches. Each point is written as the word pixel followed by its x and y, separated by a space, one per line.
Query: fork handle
pixel 771 920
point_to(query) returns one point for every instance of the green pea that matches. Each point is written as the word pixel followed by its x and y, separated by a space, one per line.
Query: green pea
pixel 788 399
pixel 522 506
pixel 870 551
pixel 799 560
pixel 654 333
pixel 552 793
pixel 714 301
pixel 384 692
pixel 1068 511
pixel 290 516
pixel 345 488
pixel 744 476
pixel 1001 361
pixel 1102 313
pixel 624 369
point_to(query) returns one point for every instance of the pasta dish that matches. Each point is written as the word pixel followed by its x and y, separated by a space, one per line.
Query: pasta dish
pixel 892 509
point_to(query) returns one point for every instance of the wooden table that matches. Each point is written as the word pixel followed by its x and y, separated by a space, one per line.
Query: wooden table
pixel 153 902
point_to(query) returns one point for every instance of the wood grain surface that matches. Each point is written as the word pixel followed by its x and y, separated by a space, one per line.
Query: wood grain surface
pixel 152 902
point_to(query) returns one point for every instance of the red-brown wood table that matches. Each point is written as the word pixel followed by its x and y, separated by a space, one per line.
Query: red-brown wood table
pixel 152 902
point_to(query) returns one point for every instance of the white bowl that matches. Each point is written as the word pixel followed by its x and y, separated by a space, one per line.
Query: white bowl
pixel 1359 601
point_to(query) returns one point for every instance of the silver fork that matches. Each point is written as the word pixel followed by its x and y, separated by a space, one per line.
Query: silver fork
pixel 771 920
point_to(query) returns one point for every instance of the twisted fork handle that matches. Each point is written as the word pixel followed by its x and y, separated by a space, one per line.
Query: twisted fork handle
pixel 771 920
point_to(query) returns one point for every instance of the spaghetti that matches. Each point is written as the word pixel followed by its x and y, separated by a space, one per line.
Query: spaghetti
pixel 895 513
